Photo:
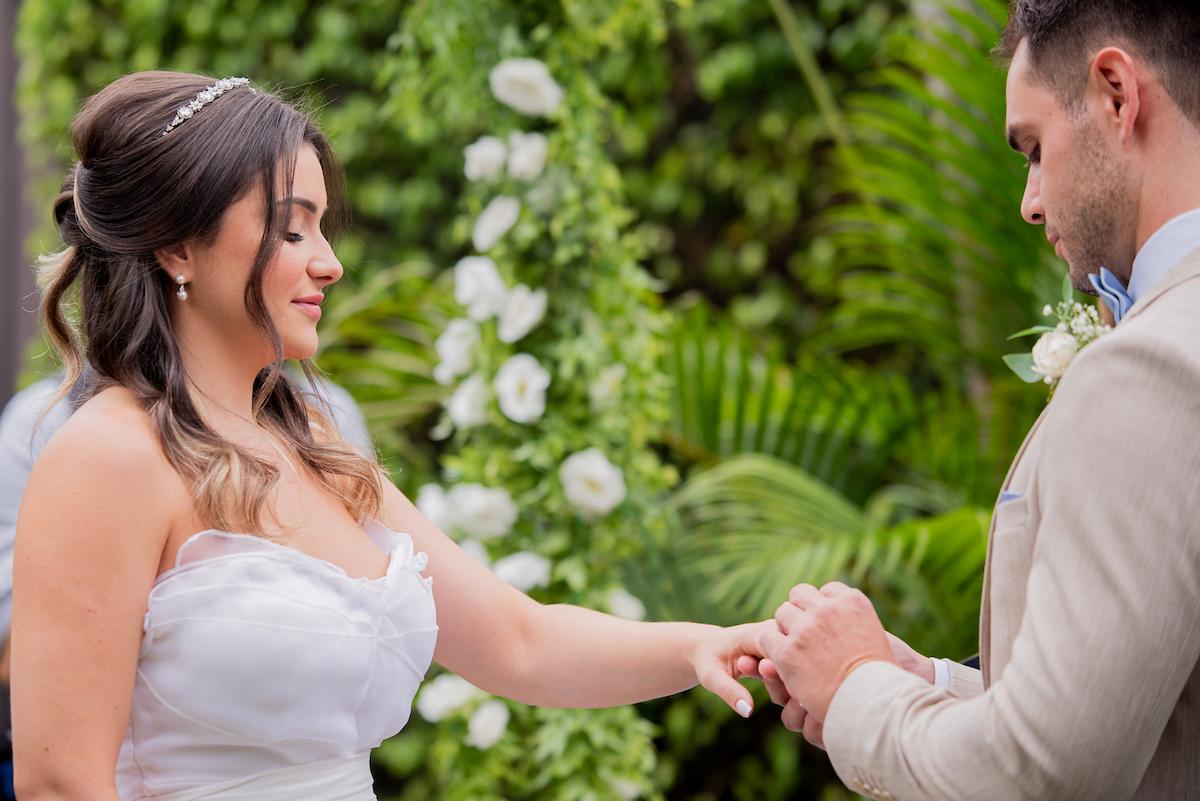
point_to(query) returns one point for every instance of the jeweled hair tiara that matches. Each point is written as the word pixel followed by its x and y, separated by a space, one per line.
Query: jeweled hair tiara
pixel 202 99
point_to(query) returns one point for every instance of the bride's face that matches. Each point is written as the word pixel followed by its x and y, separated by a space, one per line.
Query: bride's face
pixel 295 279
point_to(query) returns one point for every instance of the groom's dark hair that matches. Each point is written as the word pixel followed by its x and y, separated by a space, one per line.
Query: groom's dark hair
pixel 1062 34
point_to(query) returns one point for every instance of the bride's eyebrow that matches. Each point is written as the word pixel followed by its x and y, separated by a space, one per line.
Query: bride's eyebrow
pixel 302 202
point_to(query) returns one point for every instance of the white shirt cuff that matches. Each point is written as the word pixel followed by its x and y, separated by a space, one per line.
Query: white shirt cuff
pixel 941 673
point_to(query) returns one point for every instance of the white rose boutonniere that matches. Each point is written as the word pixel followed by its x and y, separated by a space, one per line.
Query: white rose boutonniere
pixel 524 84
pixel 1078 325
pixel 1052 353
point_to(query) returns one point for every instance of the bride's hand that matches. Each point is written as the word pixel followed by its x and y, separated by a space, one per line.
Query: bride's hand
pixel 723 656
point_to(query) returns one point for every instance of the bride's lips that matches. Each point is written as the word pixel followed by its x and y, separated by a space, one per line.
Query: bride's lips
pixel 310 305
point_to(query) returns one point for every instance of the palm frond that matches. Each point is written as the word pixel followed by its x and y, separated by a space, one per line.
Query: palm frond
pixel 733 395
pixel 753 527
pixel 933 254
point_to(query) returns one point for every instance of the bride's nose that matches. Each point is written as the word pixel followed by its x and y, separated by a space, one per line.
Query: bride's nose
pixel 325 266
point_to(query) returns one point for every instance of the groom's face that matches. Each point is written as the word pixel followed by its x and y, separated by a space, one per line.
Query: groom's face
pixel 1077 185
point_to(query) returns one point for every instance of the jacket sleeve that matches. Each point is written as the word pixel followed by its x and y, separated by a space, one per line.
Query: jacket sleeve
pixel 1108 637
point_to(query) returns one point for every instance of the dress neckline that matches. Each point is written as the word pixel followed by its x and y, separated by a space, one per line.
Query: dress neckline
pixel 401 542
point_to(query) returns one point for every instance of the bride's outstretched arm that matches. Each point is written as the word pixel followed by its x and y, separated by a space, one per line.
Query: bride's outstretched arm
pixel 559 655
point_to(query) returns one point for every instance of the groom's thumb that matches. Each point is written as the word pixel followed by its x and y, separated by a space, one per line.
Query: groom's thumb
pixel 730 691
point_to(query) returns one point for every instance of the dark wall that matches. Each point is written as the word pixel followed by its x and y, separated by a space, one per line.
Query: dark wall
pixel 17 295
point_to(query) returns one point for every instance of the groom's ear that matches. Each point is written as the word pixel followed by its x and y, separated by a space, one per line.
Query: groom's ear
pixel 1116 84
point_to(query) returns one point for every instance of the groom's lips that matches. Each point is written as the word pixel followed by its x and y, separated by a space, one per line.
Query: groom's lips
pixel 1055 240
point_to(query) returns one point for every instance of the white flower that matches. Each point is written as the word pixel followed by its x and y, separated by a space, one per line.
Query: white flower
pixel 1052 353
pixel 476 550
pixel 606 387
pixel 479 287
pixel 525 84
pixel 487 724
pixel 480 511
pixel 523 311
pixel 624 604
pixel 593 485
pixel 524 570
pixel 456 348
pixel 431 501
pixel 494 221
pixel 527 155
pixel 1047 310
pixel 626 789
pixel 521 388
pixel 444 695
pixel 484 158
pixel 467 405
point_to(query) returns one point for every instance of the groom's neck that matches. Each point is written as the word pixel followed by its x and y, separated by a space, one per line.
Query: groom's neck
pixel 1171 178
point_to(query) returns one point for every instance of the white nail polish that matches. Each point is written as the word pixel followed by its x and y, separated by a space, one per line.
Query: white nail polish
pixel 742 708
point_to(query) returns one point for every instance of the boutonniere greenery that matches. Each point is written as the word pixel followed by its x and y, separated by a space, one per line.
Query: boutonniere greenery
pixel 1078 325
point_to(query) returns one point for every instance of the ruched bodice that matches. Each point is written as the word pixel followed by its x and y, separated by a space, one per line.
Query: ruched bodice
pixel 258 658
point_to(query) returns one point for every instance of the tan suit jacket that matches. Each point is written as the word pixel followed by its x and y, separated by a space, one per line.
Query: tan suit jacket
pixel 1090 625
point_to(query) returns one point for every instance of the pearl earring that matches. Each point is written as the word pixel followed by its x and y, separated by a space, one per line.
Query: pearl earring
pixel 182 293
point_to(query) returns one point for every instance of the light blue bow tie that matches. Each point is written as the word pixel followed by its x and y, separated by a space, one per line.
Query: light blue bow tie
pixel 1114 294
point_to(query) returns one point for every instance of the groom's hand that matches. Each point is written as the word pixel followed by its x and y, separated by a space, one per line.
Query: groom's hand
pixel 795 717
pixel 821 636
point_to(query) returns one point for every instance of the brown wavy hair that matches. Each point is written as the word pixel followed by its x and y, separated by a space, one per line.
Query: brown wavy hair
pixel 105 298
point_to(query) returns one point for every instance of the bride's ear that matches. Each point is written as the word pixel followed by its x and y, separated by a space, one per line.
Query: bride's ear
pixel 177 260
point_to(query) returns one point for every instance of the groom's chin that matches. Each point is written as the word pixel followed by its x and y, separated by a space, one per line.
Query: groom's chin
pixel 1081 279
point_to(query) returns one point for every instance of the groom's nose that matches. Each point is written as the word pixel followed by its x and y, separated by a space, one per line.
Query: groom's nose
pixel 1031 203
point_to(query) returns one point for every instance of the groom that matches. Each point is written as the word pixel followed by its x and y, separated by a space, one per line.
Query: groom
pixel 1090 628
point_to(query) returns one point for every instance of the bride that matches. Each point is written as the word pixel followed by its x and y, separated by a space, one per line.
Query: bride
pixel 215 597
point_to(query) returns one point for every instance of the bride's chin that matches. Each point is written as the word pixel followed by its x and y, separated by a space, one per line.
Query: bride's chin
pixel 300 351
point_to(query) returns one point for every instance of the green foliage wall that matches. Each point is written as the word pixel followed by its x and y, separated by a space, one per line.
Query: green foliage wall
pixel 836 397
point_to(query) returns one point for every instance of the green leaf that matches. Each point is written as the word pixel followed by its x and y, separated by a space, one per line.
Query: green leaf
pixel 1037 329
pixel 1067 289
pixel 1022 365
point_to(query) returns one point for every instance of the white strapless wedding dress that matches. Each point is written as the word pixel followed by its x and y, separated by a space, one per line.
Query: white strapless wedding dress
pixel 269 674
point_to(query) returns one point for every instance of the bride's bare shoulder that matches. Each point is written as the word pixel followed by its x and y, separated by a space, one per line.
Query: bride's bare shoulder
pixel 101 491
pixel 108 440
